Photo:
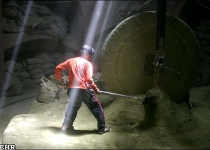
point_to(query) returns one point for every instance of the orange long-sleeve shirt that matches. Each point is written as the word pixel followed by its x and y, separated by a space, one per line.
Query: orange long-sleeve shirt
pixel 80 72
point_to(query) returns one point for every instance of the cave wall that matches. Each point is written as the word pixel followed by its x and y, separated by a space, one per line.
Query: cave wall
pixel 196 15
pixel 1 50
pixel 77 17
pixel 78 20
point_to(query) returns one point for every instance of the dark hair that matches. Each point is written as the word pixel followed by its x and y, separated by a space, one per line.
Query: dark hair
pixel 86 49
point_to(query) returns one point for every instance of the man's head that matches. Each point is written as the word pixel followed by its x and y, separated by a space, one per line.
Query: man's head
pixel 87 52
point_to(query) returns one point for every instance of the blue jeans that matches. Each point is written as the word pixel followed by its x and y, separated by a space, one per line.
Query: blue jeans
pixel 76 97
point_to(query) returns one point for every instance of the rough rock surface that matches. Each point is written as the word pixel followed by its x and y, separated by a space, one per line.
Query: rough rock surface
pixel 128 56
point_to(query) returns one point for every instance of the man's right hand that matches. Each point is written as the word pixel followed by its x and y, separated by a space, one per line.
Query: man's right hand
pixel 98 91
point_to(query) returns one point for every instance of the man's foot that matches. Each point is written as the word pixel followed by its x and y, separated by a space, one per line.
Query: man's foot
pixel 65 129
pixel 104 130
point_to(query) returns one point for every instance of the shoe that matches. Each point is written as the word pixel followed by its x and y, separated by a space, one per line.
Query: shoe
pixel 104 130
pixel 65 129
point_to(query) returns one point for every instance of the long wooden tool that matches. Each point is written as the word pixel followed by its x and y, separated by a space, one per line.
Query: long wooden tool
pixel 116 94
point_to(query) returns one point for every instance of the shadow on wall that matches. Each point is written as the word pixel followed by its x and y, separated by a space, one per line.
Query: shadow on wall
pixel 33 48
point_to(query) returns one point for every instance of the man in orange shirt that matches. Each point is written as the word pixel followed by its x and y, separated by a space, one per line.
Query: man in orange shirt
pixel 80 79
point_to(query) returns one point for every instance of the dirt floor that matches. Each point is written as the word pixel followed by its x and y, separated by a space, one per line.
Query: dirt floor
pixel 164 125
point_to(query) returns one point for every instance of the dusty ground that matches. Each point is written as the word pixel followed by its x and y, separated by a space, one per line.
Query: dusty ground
pixel 165 125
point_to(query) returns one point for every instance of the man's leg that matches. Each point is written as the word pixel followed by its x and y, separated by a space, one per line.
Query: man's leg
pixel 95 107
pixel 73 107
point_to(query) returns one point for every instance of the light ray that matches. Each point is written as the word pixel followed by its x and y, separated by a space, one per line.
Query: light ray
pixel 89 40
pixel 15 52
pixel 107 15
pixel 104 25
pixel 94 22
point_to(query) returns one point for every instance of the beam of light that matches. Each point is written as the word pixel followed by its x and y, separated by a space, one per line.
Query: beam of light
pixel 31 119
pixel 94 22
pixel 72 96
pixel 104 25
pixel 107 15
pixel 18 119
pixel 10 129
pixel 59 139
pixel 23 124
pixel 15 52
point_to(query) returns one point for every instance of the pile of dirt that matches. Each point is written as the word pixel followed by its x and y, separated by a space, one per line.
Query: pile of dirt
pixel 124 114
pixel 165 119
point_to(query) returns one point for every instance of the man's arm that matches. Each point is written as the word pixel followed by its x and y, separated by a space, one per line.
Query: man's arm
pixel 93 86
pixel 89 79
pixel 58 71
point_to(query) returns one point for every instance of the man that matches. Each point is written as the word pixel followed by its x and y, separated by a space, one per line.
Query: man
pixel 80 79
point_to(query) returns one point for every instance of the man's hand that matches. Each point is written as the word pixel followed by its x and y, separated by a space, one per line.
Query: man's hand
pixel 60 81
pixel 98 91
pixel 61 84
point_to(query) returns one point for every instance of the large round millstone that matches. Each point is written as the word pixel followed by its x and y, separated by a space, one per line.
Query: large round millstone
pixel 129 49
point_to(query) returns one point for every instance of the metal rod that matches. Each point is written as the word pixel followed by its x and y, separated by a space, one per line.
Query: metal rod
pixel 116 94
pixel 172 70
pixel 160 39
pixel 161 24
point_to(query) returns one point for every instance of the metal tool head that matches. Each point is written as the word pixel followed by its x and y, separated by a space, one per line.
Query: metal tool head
pixel 150 100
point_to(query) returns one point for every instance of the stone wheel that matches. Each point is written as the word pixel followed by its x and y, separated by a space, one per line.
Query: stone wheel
pixel 128 53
